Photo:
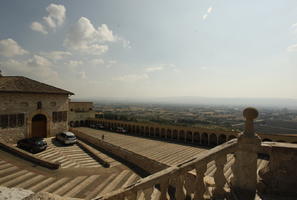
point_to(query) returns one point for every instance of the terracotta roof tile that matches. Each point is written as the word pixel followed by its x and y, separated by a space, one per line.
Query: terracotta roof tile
pixel 25 85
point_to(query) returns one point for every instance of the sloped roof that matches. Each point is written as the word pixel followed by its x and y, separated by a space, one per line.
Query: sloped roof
pixel 22 84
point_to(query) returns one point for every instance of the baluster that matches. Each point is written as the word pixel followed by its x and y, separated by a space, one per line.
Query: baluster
pixel 131 196
pixel 199 182
pixel 179 187
pixel 163 189
pixel 219 177
pixel 148 193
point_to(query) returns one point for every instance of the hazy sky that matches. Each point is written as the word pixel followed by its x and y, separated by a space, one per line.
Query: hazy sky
pixel 137 48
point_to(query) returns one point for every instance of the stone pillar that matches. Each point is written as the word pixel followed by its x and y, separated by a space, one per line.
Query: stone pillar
pixel 245 167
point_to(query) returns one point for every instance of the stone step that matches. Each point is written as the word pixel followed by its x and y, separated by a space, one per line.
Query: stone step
pixel 67 186
pixel 114 183
pixel 56 184
pixel 78 188
pixel 39 186
pixel 18 179
pixel 97 189
pixel 31 181
pixel 12 176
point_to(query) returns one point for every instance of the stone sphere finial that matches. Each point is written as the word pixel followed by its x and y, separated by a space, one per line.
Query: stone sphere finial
pixel 250 113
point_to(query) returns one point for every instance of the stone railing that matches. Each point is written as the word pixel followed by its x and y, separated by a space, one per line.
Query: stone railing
pixel 174 182
pixel 280 175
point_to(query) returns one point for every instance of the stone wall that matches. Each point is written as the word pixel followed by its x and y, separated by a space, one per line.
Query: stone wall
pixel 14 103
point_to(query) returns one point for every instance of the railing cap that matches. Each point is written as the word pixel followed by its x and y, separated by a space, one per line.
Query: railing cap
pixel 250 113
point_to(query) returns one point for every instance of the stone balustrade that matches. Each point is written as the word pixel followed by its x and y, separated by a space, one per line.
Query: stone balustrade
pixel 188 180
pixel 171 183
pixel 279 177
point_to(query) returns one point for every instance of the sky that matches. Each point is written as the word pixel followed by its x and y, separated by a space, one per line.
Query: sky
pixel 145 49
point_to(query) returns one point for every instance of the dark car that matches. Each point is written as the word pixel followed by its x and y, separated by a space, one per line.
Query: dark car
pixel 99 126
pixel 32 145
pixel 120 130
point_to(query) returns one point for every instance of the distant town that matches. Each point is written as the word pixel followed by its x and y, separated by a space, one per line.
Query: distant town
pixel 270 121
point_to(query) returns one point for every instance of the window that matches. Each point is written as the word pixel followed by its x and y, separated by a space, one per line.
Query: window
pixel 55 116
pixel 20 120
pixel 60 116
pixel 64 116
pixel 39 105
pixel 12 121
pixel 4 121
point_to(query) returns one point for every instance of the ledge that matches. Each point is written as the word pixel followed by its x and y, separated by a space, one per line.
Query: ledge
pixel 25 155
pixel 93 152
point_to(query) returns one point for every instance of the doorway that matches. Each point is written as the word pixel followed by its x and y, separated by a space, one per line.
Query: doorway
pixel 39 126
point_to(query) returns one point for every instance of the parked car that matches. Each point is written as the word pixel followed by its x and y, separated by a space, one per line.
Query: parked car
pixel 99 126
pixel 120 130
pixel 32 145
pixel 66 137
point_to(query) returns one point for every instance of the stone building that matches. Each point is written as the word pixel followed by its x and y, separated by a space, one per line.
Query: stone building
pixel 80 112
pixel 29 108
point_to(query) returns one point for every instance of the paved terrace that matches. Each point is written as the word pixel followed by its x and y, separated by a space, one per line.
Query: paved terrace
pixel 80 175
pixel 161 151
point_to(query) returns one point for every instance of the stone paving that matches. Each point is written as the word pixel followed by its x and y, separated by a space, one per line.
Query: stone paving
pixel 80 175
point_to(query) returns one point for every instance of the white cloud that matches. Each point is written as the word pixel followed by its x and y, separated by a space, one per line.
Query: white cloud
pixel 209 10
pixel 97 62
pixel 36 67
pixel 10 48
pixel 55 18
pixel 156 68
pixel 131 77
pixel 74 63
pixel 161 67
pixel 85 38
pixel 292 48
pixel 56 15
pixel 56 55
pixel 36 26
pixel 82 75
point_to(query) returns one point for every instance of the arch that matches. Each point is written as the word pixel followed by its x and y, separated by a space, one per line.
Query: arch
pixel 204 139
pixel 169 134
pixel 137 130
pixel 152 131
pixel 71 123
pixel 196 137
pixel 39 126
pixel 231 137
pixel 157 132
pixel 222 139
pixel 213 140
pixel 182 135
pixel 147 131
pixel 81 123
pixel 266 140
pixel 133 129
pixel 129 129
pixel 174 134
pixel 141 130
pixel 163 133
pixel 76 124
pixel 189 136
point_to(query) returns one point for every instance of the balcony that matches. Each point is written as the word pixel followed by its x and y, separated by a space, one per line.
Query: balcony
pixel 276 178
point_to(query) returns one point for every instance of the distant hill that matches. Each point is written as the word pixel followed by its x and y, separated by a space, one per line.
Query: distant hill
pixel 193 100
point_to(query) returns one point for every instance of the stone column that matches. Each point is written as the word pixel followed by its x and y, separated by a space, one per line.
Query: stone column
pixel 245 167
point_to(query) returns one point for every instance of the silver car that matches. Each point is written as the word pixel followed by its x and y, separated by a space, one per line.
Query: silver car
pixel 66 137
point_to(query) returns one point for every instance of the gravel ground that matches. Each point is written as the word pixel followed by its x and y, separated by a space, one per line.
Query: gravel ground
pixel 21 194
pixel 13 193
